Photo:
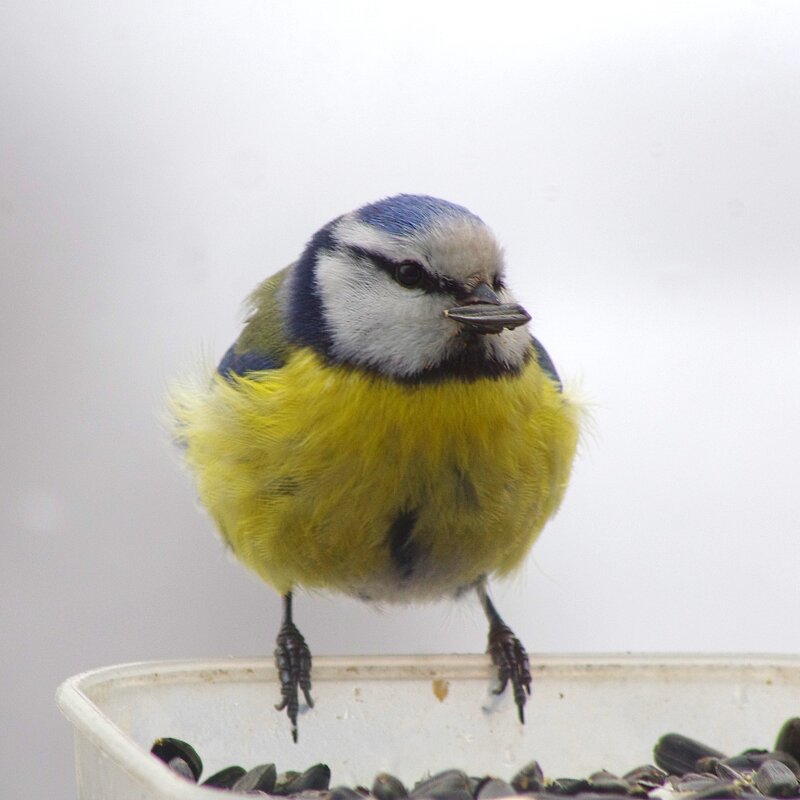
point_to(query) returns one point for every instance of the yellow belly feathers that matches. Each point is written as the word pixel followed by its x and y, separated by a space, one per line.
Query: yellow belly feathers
pixel 306 468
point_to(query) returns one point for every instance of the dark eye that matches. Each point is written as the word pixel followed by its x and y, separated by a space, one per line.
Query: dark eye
pixel 409 274
pixel 497 284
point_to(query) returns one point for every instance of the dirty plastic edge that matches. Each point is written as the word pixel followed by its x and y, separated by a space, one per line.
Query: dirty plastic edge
pixel 94 726
pixel 91 723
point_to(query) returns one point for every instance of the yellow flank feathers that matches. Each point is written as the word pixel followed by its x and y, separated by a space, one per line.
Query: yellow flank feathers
pixel 306 468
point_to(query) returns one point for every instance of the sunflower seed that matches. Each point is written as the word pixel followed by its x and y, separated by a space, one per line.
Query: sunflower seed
pixel 316 777
pixel 225 778
pixel 605 782
pixel 719 789
pixel 344 793
pixel 260 778
pixel 567 786
pixel 729 773
pixel 529 779
pixel 492 788
pixel 788 740
pixel 775 779
pixel 678 754
pixel 648 776
pixel 442 784
pixel 168 749
pixel 387 787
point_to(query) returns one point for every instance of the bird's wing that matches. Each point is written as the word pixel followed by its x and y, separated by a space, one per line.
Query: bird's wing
pixel 262 343
pixel 545 362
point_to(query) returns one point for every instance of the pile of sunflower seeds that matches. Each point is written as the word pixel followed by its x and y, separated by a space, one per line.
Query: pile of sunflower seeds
pixel 683 767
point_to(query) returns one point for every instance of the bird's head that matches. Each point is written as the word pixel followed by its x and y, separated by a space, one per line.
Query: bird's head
pixel 410 287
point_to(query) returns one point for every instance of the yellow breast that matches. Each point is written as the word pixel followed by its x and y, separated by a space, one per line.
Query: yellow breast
pixel 329 477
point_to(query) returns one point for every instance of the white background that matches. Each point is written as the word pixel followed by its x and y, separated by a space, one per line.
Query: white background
pixel 641 163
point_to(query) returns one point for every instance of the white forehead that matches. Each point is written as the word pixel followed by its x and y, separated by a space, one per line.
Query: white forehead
pixel 461 248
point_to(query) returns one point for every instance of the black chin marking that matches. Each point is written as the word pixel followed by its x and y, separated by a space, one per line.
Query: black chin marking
pixel 469 362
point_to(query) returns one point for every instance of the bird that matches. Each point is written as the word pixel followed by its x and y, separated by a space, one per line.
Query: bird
pixel 385 426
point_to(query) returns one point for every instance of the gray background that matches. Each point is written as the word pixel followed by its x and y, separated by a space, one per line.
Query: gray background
pixel 640 161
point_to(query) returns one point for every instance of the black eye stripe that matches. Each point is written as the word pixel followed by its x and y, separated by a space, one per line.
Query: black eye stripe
pixel 428 283
pixel 383 263
pixel 431 284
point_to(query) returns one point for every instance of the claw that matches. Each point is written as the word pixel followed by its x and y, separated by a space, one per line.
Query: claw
pixel 507 653
pixel 511 660
pixel 293 662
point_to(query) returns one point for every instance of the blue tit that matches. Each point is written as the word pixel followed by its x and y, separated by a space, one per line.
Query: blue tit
pixel 385 425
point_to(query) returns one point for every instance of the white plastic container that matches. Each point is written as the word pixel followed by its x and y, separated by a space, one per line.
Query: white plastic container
pixel 416 715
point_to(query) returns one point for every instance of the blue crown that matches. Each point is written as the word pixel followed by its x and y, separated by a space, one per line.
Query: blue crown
pixel 407 213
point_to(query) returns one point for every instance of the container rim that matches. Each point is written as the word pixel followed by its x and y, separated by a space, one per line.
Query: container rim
pixel 410 667
pixel 73 696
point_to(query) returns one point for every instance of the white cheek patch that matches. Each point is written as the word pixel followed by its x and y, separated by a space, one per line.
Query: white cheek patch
pixel 375 322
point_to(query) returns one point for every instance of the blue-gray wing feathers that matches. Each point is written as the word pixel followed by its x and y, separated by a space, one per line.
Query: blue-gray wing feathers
pixel 545 362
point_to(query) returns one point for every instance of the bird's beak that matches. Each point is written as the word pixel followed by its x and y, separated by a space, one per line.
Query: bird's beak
pixel 481 311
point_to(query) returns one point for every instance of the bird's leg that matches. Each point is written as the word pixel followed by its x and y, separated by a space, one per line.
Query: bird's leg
pixel 508 654
pixel 293 661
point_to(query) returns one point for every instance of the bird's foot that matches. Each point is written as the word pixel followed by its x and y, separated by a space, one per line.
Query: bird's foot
pixel 293 661
pixel 509 656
